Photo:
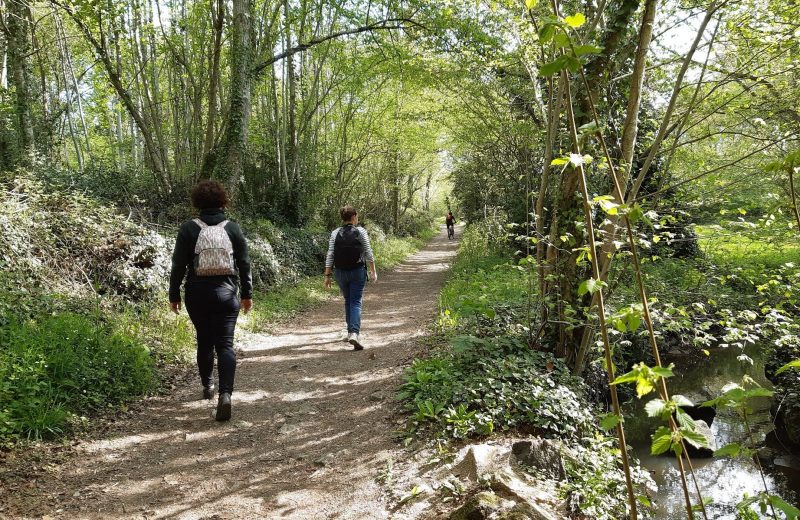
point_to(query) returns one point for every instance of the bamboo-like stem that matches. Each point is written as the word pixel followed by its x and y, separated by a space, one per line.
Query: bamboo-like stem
pixel 587 209
pixel 645 303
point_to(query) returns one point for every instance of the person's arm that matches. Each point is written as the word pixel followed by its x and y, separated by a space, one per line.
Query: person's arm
pixel 329 259
pixel 180 260
pixel 368 255
pixel 241 256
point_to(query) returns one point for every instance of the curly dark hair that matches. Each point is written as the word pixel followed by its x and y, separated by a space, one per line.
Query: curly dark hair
pixel 209 194
pixel 347 213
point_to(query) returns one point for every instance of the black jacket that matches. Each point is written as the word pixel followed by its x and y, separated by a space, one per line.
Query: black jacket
pixel 183 256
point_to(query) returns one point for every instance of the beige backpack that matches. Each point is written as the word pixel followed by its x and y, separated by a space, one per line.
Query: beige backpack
pixel 214 250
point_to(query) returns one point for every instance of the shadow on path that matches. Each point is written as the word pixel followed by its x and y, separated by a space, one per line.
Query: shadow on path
pixel 312 426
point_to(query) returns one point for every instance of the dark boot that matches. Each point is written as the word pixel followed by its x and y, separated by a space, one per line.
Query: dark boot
pixel 224 407
pixel 209 391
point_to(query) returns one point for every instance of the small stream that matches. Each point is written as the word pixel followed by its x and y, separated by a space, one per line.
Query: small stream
pixel 724 480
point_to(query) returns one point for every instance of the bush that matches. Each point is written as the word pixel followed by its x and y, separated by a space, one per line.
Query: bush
pixel 479 385
pixel 65 242
pixel 283 256
pixel 62 366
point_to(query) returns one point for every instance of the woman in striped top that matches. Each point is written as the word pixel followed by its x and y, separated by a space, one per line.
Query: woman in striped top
pixel 349 254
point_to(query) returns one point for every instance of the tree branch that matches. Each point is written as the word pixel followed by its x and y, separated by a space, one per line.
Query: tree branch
pixel 388 24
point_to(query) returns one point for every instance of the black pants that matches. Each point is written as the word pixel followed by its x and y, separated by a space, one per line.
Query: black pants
pixel 213 309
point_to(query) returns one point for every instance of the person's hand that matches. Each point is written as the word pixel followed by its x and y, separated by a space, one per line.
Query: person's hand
pixel 175 306
pixel 247 304
pixel 327 282
pixel 373 276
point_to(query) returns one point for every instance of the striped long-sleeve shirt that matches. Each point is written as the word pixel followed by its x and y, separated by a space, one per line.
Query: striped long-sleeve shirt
pixel 366 256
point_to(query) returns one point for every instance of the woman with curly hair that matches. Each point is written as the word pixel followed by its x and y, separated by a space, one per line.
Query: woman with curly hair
pixel 211 254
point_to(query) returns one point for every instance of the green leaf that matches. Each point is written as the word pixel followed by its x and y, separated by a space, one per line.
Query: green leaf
pixel 731 450
pixel 681 400
pixel 695 438
pixel 643 386
pixel 630 377
pixel 609 421
pixel 582 50
pixel 635 214
pixel 557 65
pixel 758 392
pixel 787 366
pixel 573 63
pixel 590 286
pixel 561 39
pixel 791 512
pixel 575 20
pixel 662 440
pixel 547 32
pixel 644 500
pixel 608 206
pixel 530 4
pixel 684 419
pixel 561 161
pixel 663 371
pixel 656 407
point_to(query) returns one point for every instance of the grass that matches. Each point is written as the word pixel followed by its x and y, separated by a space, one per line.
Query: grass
pixel 273 306
pixel 726 246
pixel 394 250
pixel 482 281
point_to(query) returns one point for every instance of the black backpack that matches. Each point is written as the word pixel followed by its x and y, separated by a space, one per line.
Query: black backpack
pixel 347 248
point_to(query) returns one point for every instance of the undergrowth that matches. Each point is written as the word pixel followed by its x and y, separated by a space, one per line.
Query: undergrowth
pixel 63 366
pixel 486 380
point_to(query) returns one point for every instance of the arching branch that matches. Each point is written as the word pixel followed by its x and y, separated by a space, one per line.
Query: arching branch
pixel 388 24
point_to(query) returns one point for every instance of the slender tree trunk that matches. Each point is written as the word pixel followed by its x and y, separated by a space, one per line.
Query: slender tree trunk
pixel 19 50
pixel 218 20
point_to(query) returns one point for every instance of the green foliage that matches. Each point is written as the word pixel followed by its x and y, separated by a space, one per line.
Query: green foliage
pixel 282 303
pixel 63 366
pixel 595 485
pixel 485 293
pixel 645 377
pixel 479 385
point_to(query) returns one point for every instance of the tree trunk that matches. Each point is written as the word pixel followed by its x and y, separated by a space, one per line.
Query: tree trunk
pixel 218 20
pixel 231 166
pixel 19 50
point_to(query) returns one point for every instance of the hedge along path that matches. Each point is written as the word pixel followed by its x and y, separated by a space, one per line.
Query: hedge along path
pixel 312 425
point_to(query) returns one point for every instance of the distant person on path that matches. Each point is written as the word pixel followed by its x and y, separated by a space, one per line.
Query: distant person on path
pixel 212 249
pixel 349 253
pixel 450 221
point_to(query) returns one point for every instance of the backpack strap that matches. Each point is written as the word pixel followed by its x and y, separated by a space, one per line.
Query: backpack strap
pixel 200 223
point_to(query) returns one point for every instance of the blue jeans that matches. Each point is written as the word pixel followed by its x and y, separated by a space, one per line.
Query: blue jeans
pixel 351 283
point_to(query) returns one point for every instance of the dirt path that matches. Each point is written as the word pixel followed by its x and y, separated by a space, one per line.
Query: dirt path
pixel 311 430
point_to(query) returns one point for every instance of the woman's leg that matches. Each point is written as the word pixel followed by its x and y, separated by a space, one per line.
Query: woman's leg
pixel 343 280
pixel 356 290
pixel 224 324
pixel 198 305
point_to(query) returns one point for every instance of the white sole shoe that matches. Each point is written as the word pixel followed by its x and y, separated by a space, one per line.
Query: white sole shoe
pixel 353 340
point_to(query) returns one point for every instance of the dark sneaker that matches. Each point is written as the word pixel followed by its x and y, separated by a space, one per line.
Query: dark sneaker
pixel 353 340
pixel 209 391
pixel 224 407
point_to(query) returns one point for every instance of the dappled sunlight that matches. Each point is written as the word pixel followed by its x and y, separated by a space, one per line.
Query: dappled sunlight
pixel 310 418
